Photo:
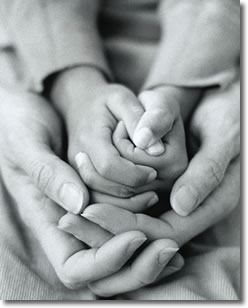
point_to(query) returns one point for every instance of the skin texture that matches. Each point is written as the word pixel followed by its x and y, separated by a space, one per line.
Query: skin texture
pixel 215 206
pixel 33 174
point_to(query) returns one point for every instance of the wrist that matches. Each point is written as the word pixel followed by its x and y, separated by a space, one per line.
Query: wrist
pixel 187 98
pixel 69 86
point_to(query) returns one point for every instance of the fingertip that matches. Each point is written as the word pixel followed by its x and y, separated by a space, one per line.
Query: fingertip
pixel 185 200
pixel 142 137
pixel 156 149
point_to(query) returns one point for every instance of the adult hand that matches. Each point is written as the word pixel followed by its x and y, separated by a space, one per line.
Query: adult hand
pixel 170 226
pixel 30 137
pixel 215 128
pixel 34 175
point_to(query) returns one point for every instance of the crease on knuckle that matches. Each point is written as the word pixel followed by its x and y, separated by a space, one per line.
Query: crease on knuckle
pixel 215 170
pixel 43 174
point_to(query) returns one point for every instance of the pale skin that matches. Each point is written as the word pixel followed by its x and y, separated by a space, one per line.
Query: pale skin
pixel 223 199
pixel 41 214
pixel 43 164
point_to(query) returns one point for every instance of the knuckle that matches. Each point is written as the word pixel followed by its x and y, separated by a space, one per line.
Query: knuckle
pixel 215 171
pixel 119 94
pixel 105 169
pixel 43 174
pixel 124 191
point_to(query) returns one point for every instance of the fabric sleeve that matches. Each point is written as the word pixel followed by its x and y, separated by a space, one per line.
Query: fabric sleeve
pixel 200 43
pixel 52 35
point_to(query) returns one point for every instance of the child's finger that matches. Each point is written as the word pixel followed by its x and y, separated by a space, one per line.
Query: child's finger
pixel 169 165
pixel 113 167
pixel 143 271
pixel 138 203
pixel 126 107
pixel 84 230
pixel 95 181
pixel 158 119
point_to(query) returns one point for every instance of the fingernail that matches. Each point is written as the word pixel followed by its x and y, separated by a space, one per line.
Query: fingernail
pixel 143 137
pixel 185 200
pixel 79 158
pixel 166 254
pixel 152 176
pixel 169 270
pixel 156 149
pixel 63 225
pixel 134 244
pixel 154 199
pixel 71 197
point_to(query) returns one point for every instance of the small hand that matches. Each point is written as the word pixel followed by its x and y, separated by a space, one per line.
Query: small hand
pixel 91 108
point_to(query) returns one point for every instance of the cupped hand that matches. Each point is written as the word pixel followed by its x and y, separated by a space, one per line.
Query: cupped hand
pixel 91 108
pixel 169 225
pixel 215 136
pixel 34 175
pixel 30 139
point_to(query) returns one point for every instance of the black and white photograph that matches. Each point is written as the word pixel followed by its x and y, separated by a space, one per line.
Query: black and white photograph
pixel 120 150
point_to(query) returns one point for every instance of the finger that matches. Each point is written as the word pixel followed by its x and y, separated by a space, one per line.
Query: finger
pixel 158 119
pixel 171 225
pixel 95 181
pixel 135 204
pixel 218 205
pixel 143 271
pixel 117 220
pixel 126 107
pixel 115 168
pixel 54 177
pixel 74 265
pixel 204 173
pixel 96 263
pixel 175 265
pixel 84 230
pixel 156 149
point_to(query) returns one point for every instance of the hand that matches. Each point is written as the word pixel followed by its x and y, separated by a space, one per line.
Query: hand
pixel 215 129
pixel 91 108
pixel 161 120
pixel 27 161
pixel 169 225
pixel 30 137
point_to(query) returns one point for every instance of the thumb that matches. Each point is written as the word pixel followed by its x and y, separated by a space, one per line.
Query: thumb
pixel 158 119
pixel 54 177
pixel 204 173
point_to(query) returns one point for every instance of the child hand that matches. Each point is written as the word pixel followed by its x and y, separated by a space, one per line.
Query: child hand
pixel 92 108
pixel 162 119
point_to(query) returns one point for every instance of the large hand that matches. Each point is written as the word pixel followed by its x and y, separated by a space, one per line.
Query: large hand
pixel 30 137
pixel 215 129
pixel 170 225
pixel 30 168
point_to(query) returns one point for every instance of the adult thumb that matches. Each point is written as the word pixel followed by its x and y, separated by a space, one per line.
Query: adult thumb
pixel 204 173
pixel 55 178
